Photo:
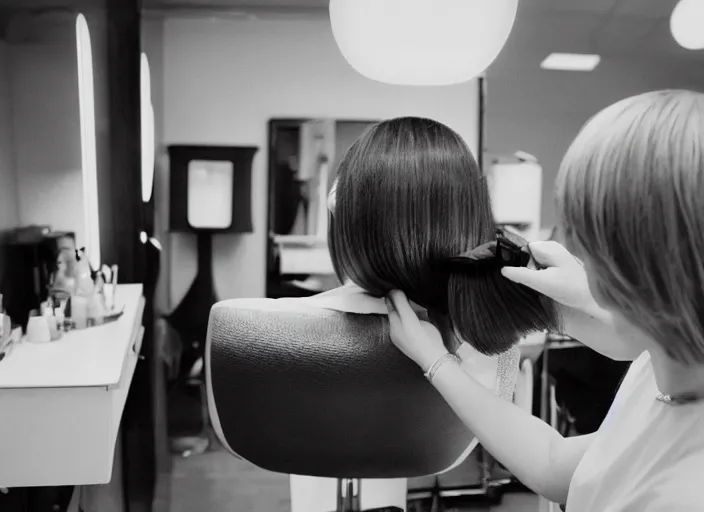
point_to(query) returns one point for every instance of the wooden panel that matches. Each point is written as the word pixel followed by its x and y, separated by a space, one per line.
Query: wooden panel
pixel 115 34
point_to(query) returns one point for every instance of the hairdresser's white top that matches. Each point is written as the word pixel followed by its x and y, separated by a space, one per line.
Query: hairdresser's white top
pixel 498 373
pixel 647 456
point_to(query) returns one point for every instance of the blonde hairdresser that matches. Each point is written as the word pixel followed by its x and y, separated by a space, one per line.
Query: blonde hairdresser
pixel 630 201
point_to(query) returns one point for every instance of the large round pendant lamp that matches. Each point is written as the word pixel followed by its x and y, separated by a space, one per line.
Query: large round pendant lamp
pixel 687 24
pixel 421 42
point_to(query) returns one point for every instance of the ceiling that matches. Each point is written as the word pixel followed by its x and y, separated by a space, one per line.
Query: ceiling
pixel 637 28
pixel 645 8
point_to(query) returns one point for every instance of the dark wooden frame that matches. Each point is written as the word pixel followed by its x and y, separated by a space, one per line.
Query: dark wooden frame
pixel 181 155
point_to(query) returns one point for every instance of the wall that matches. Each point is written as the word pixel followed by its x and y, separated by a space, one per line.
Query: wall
pixel 542 111
pixel 345 135
pixel 9 214
pixel 224 79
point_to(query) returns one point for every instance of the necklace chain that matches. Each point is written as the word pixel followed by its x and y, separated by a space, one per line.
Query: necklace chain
pixel 679 399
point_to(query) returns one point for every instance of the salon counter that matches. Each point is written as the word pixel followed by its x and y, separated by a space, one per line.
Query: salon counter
pixel 61 402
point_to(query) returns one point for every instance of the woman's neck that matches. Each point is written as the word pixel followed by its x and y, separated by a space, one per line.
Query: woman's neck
pixel 675 378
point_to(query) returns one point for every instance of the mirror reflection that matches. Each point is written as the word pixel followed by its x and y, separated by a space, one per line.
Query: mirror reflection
pixel 304 154
pixel 48 181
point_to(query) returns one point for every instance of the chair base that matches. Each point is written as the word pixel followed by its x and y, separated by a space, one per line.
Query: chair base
pixel 318 494
pixel 349 495
pixel 190 445
pixel 198 444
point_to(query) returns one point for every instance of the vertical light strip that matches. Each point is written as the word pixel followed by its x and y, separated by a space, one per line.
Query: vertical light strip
pixel 86 95
pixel 148 136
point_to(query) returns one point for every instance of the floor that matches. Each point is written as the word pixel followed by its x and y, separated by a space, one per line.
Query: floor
pixel 217 482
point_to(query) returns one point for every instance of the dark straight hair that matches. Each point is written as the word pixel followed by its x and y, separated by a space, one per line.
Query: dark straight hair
pixel 410 195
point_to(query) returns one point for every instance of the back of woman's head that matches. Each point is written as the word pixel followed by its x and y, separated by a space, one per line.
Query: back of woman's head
pixel 409 196
pixel 630 197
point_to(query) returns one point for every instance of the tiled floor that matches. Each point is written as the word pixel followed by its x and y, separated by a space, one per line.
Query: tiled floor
pixel 217 482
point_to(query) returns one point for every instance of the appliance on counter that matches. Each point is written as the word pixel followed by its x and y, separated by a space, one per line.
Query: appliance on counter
pixel 29 260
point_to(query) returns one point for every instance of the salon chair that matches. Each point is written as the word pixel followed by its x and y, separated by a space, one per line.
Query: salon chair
pixel 306 391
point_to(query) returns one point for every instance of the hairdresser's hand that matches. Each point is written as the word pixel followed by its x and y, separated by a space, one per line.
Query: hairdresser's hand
pixel 559 275
pixel 419 340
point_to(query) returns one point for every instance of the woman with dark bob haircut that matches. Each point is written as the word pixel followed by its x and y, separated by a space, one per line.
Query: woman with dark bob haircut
pixel 409 199
pixel 408 210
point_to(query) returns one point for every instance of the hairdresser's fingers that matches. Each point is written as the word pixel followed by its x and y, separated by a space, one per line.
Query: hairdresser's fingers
pixel 548 281
pixel 395 328
pixel 405 312
pixel 522 275
pixel 394 319
pixel 550 254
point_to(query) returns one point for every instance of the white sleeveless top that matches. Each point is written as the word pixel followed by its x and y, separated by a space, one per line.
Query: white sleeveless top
pixel 647 456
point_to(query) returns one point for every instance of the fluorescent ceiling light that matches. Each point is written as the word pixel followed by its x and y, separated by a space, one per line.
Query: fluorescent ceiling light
pixel 571 61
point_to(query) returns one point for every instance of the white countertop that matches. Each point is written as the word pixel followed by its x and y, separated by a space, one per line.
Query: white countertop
pixel 85 358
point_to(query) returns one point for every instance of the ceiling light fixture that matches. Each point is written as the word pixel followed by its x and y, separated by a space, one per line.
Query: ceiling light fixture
pixel 686 24
pixel 571 62
pixel 421 42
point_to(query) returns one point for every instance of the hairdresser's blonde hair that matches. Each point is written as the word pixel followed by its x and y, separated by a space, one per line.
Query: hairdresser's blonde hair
pixel 630 196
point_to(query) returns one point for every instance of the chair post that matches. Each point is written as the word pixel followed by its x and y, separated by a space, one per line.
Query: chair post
pixel 348 495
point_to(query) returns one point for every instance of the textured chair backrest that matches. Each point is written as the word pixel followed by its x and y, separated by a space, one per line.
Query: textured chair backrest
pixel 308 391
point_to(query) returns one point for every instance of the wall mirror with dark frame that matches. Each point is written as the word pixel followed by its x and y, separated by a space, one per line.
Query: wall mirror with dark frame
pixel 303 157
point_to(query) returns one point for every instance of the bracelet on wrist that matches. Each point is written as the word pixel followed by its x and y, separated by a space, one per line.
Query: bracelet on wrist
pixel 445 358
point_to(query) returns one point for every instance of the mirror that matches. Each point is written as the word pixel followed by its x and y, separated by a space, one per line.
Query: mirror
pixel 304 154
pixel 42 140
pixel 48 147
pixel 209 201
pixel 47 125
pixel 303 157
